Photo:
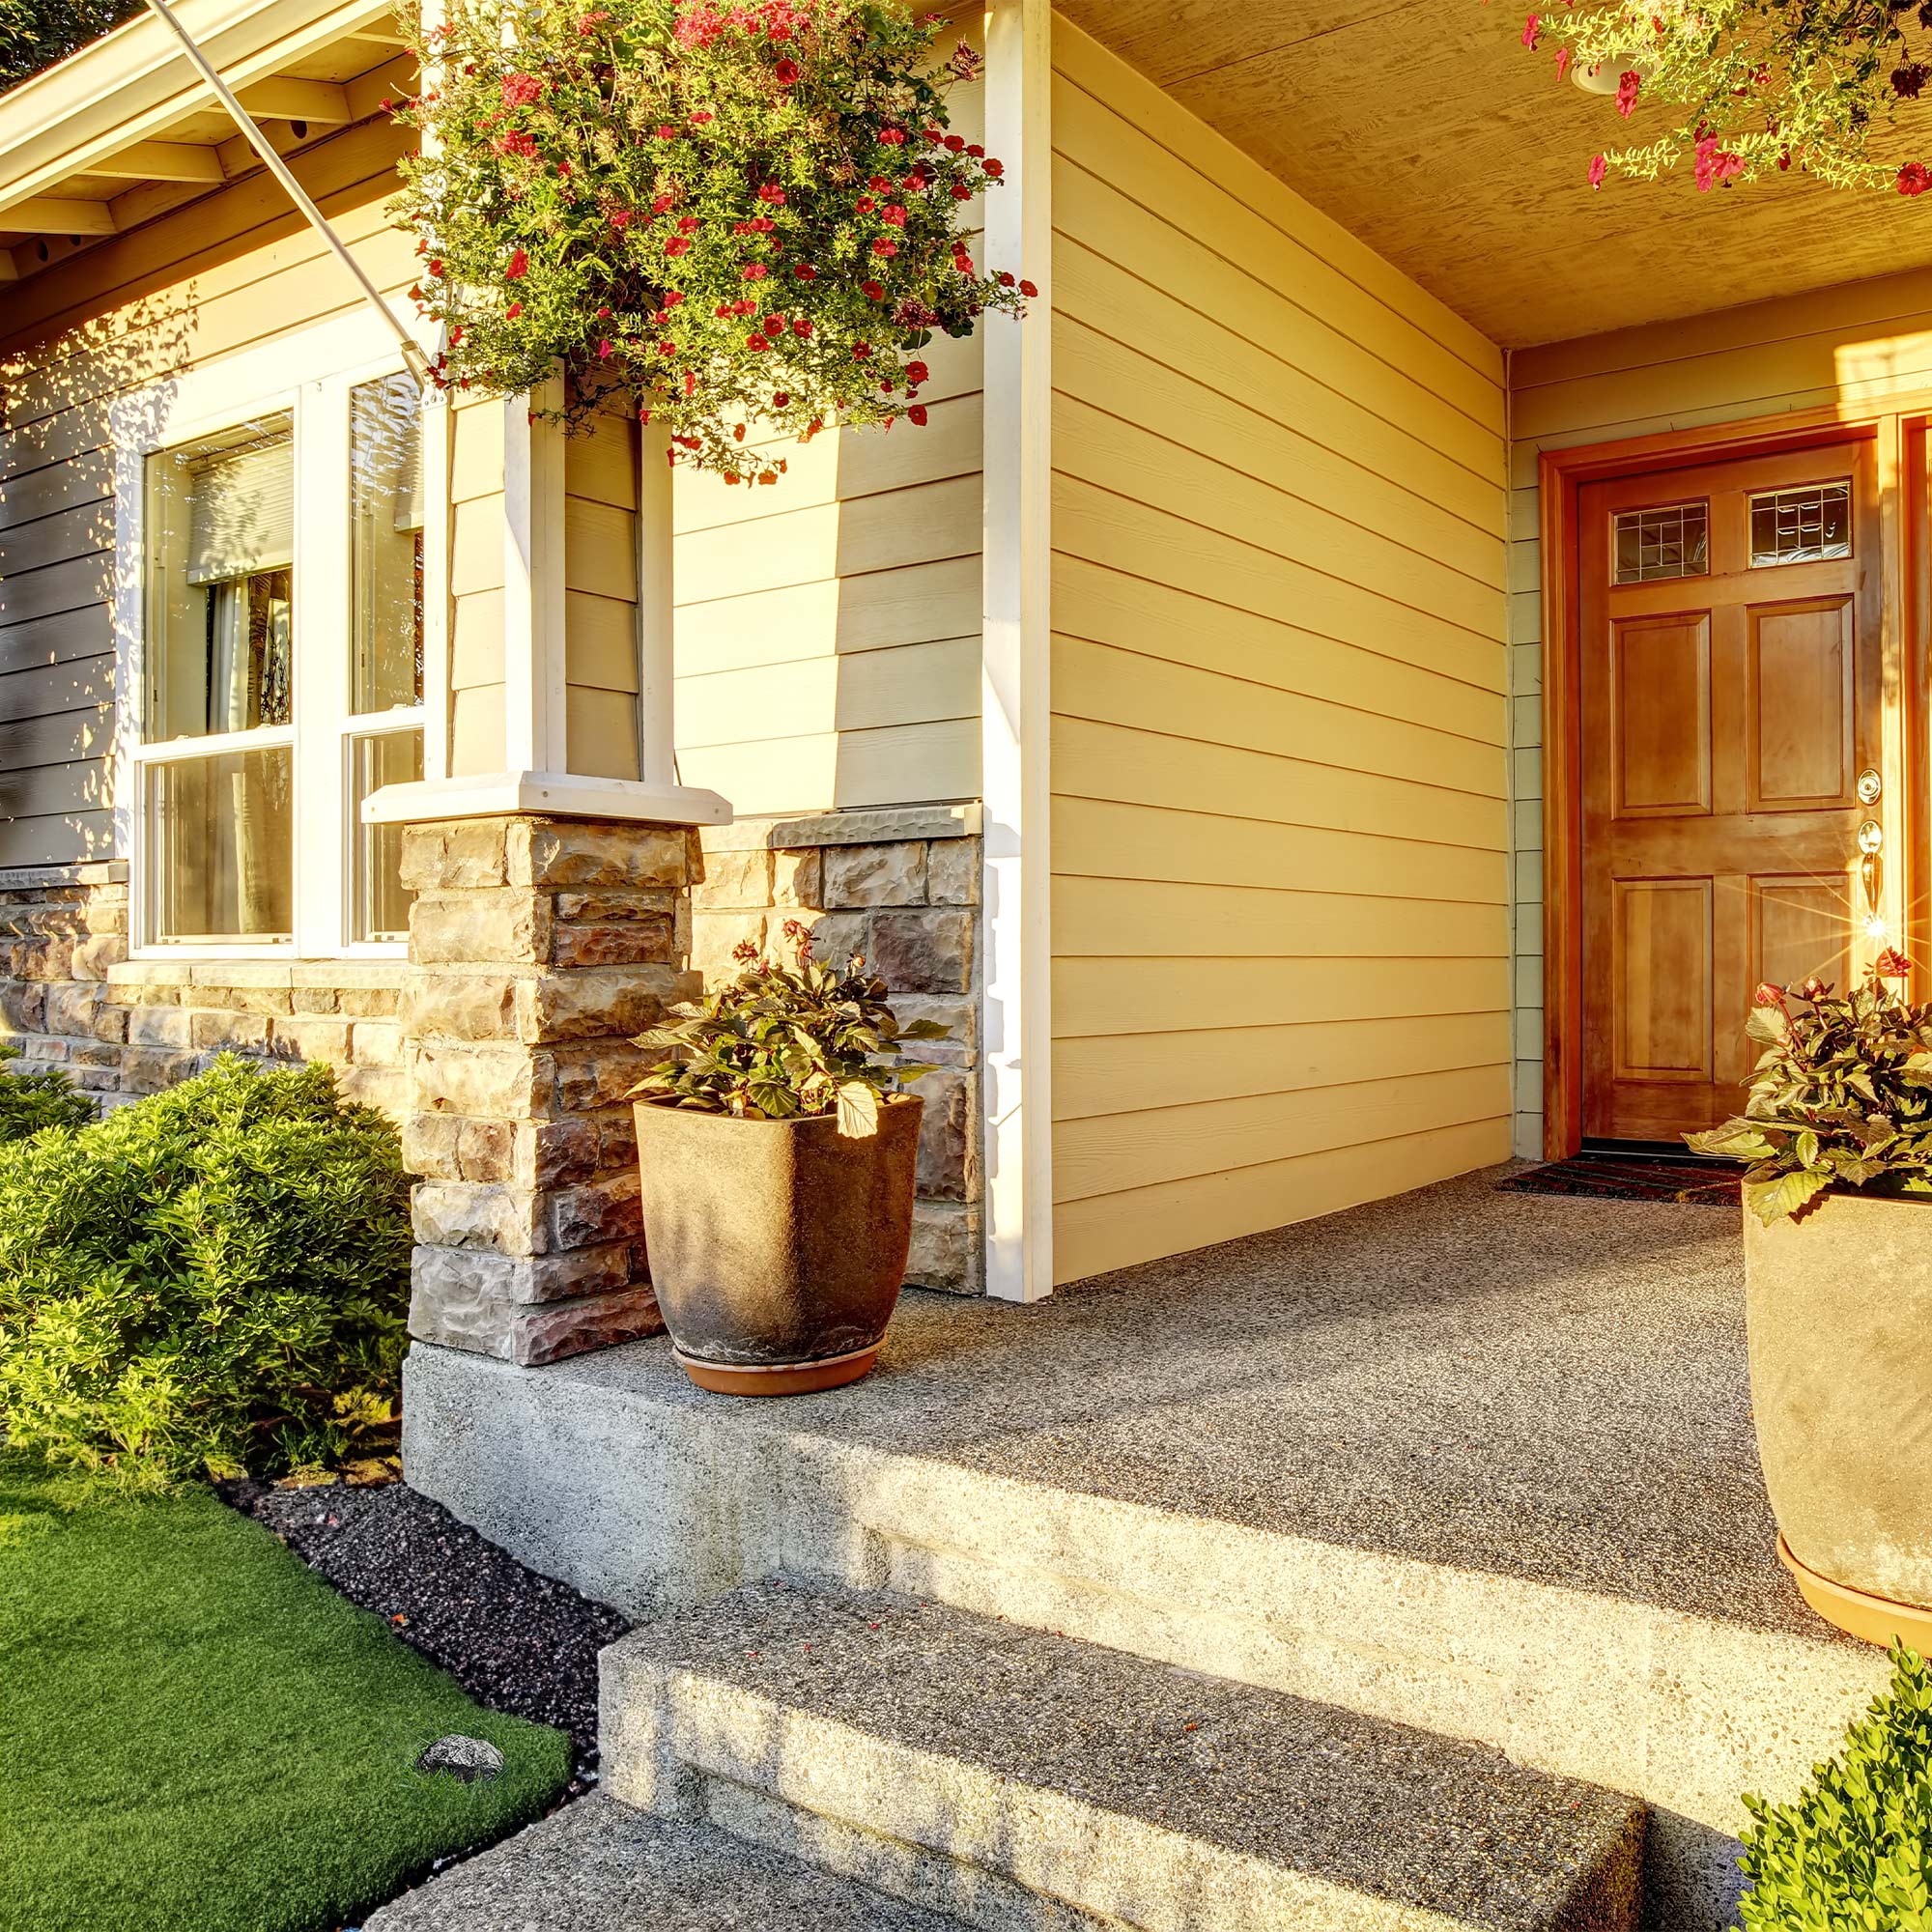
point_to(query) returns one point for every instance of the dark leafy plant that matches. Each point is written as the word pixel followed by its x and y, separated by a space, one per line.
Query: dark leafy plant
pixel 33 34
pixel 779 1041
pixel 1853 1852
pixel 212 1279
pixel 1842 1096
pixel 743 218
pixel 30 1102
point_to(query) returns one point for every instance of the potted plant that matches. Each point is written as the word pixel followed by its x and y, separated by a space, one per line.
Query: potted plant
pixel 777 1150
pixel 1838 1291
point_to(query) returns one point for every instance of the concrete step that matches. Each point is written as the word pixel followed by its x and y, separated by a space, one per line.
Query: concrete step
pixel 954 1475
pixel 1024 1781
pixel 600 1866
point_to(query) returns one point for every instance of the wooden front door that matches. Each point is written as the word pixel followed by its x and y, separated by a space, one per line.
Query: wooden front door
pixel 1731 691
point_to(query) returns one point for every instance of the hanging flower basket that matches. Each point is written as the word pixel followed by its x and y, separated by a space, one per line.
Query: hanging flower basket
pixel 1754 87
pixel 748 218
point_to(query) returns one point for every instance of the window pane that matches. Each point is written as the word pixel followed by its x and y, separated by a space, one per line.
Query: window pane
pixel 220 848
pixel 220 583
pixel 381 904
pixel 1670 541
pixel 387 521
pixel 1802 526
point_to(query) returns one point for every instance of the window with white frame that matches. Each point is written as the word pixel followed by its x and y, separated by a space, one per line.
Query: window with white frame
pixel 282 672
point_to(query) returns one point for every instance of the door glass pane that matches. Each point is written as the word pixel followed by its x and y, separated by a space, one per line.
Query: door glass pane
pixel 1672 540
pixel 387 548
pixel 1802 526
pixel 221 519
pixel 220 846
pixel 382 907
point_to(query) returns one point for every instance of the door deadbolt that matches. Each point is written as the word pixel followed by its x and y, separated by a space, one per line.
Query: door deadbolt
pixel 1870 787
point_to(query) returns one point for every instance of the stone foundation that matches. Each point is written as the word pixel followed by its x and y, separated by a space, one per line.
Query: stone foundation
pixel 902 884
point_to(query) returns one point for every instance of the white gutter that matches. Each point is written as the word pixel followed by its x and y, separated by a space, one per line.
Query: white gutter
pixel 412 356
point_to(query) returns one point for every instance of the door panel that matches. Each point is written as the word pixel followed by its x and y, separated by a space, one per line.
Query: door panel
pixel 1726 710
pixel 1660 675
pixel 1800 704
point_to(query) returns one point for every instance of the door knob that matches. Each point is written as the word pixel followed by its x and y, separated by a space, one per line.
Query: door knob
pixel 1871 840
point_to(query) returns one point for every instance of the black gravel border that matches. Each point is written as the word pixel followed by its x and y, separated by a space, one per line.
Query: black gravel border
pixel 516 1642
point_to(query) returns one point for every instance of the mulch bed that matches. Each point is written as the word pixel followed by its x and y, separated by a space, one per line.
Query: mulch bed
pixel 1615 1177
pixel 514 1641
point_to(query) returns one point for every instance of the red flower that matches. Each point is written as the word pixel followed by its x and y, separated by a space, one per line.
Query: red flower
pixel 893 137
pixel 975 152
pixel 686 224
pixel 672 296
pixel 956 142
pixel 884 246
pixel 514 310
pixel 773 193
pixel 664 204
pixel 756 342
pixel 918 372
pixel 915 415
pixel 961 192
pixel 522 89
pixel 1768 995
pixel 436 268
pixel 755 271
pixel 861 350
pixel 1714 165
pixel 873 291
pixel 1599 168
pixel 679 244
pixel 1532 30
pixel 603 312
pixel 995 170
pixel 667 133
pixel 1005 278
pixel 456 335
pixel 620 219
pixel 800 327
pixel 1628 85
pixel 787 73
pixel 702 116
pixel 1891 964
pixel 781 401
pixel 1914 178
pixel 519 267
pixel 864 203
pixel 895 214
pixel 1029 290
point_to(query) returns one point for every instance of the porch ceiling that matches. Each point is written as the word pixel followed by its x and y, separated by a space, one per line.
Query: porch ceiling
pixel 1425 128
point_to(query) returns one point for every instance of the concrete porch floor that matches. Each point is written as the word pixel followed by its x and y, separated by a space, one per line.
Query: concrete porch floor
pixel 1535 1386
pixel 1473 1461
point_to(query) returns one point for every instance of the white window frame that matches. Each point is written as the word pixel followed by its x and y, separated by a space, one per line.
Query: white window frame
pixel 204 402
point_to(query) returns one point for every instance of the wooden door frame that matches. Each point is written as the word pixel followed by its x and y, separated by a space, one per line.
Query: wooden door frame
pixel 1900 428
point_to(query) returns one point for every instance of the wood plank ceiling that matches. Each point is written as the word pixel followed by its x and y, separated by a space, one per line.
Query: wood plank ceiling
pixel 1425 128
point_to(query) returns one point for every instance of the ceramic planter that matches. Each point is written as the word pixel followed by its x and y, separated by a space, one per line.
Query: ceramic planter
pixel 777 1248
pixel 1839 1307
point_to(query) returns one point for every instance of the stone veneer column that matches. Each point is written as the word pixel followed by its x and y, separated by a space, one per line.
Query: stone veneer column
pixel 538 946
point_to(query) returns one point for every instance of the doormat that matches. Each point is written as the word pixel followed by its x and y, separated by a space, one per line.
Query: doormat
pixel 1614 1178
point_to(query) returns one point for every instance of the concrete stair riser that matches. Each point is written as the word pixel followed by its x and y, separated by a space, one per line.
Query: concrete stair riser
pixel 619 1494
pixel 1055 1849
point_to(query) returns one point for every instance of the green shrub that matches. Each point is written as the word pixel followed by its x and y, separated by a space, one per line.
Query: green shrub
pixel 213 1278
pixel 31 1101
pixel 1853 1853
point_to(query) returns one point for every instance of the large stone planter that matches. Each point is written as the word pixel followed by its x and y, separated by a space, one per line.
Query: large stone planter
pixel 777 1248
pixel 1839 1306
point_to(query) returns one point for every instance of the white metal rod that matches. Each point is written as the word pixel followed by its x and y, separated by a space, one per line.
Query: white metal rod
pixel 412 356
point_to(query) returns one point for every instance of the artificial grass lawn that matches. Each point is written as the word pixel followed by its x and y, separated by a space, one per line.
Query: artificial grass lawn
pixel 199 1735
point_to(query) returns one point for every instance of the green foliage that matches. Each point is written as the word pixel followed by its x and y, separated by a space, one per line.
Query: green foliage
pixel 211 1278
pixel 198 1735
pixel 32 1101
pixel 1758 87
pixel 1853 1853
pixel 735 217
pixel 1842 1096
pixel 779 1041
pixel 33 34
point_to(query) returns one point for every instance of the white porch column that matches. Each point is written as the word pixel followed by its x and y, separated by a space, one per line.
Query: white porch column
pixel 1014 679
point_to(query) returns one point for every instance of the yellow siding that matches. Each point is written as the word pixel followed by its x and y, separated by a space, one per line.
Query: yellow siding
pixel 1859 345
pixel 1280 833
pixel 228 272
pixel 827 627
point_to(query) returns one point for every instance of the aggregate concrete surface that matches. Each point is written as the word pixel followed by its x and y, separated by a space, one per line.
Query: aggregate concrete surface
pixel 1380 1809
pixel 1528 1386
